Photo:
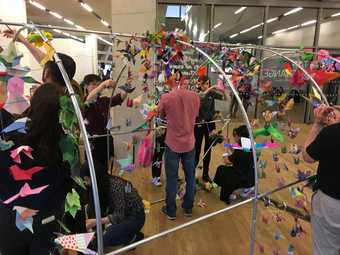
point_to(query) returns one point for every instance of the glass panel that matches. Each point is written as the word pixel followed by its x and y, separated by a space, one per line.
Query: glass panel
pixel 291 27
pixel 173 11
pixel 329 30
pixel 238 24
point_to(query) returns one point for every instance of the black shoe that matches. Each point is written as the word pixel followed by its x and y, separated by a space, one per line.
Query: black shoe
pixel 187 212
pixel 137 237
pixel 170 216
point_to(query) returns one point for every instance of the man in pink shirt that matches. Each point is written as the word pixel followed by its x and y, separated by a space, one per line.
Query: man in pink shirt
pixel 180 107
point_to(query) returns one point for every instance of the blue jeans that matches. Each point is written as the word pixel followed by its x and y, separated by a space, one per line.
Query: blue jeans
pixel 171 170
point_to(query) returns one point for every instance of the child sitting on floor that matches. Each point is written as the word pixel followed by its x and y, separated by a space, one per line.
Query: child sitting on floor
pixel 238 170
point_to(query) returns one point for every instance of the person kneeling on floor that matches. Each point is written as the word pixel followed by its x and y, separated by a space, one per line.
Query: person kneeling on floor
pixel 122 208
pixel 238 170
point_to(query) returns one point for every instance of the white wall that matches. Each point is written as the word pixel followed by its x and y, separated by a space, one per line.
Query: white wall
pixel 130 16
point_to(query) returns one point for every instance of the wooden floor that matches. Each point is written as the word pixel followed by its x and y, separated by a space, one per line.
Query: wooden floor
pixel 228 233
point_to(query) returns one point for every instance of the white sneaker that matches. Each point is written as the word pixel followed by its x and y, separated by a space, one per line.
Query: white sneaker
pixel 232 197
pixel 157 181
pixel 247 192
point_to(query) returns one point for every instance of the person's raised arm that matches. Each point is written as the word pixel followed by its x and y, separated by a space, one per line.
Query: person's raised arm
pixel 105 84
pixel 36 52
pixel 320 115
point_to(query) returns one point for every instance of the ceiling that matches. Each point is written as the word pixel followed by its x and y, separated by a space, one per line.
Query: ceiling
pixel 72 10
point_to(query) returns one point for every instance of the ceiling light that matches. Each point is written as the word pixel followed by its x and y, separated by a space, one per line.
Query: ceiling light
pixel 272 20
pixel 293 27
pixel 79 27
pixel 279 31
pixel 260 37
pixel 336 14
pixel 293 11
pixel 103 40
pixel 217 25
pixel 105 23
pixel 234 35
pixel 245 30
pixel 256 26
pixel 39 6
pixel 240 10
pixel 57 15
pixel 65 33
pixel 86 7
pixel 57 31
pixel 308 23
pixel 69 22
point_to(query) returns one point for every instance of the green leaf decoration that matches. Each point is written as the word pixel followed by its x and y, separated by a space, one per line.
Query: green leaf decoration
pixel 67 116
pixel 69 148
pixel 79 181
pixel 72 203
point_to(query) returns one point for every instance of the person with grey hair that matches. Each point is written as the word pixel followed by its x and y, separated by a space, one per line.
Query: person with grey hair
pixel 323 145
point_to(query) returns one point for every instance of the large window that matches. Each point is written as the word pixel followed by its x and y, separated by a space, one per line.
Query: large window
pixel 291 27
pixel 238 24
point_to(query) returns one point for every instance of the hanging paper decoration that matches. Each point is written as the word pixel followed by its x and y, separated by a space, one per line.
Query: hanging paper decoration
pixel 145 151
pixel 77 242
pixel 24 192
pixel 24 175
pixel 287 67
pixel 5 145
pixel 297 80
pixel 269 128
pixel 266 86
pixel 36 38
pixel 72 203
pixel 16 102
pixel 18 125
pixel 15 154
pixel 24 218
pixel 126 164
pixel 49 53
pixel 291 249
pixel 202 71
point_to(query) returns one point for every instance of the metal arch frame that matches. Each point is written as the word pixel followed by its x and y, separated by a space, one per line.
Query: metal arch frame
pixel 83 133
pixel 91 166
pixel 250 130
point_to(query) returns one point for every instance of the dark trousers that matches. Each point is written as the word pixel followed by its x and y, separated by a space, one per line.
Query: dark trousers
pixel 124 232
pixel 203 131
pixel 229 179
pixel 158 156
pixel 15 242
pixel 171 170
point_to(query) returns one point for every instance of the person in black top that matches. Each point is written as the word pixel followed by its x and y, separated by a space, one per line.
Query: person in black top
pixel 43 135
pixel 96 115
pixel 238 171
pixel 323 145
pixel 204 130
pixel 121 206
